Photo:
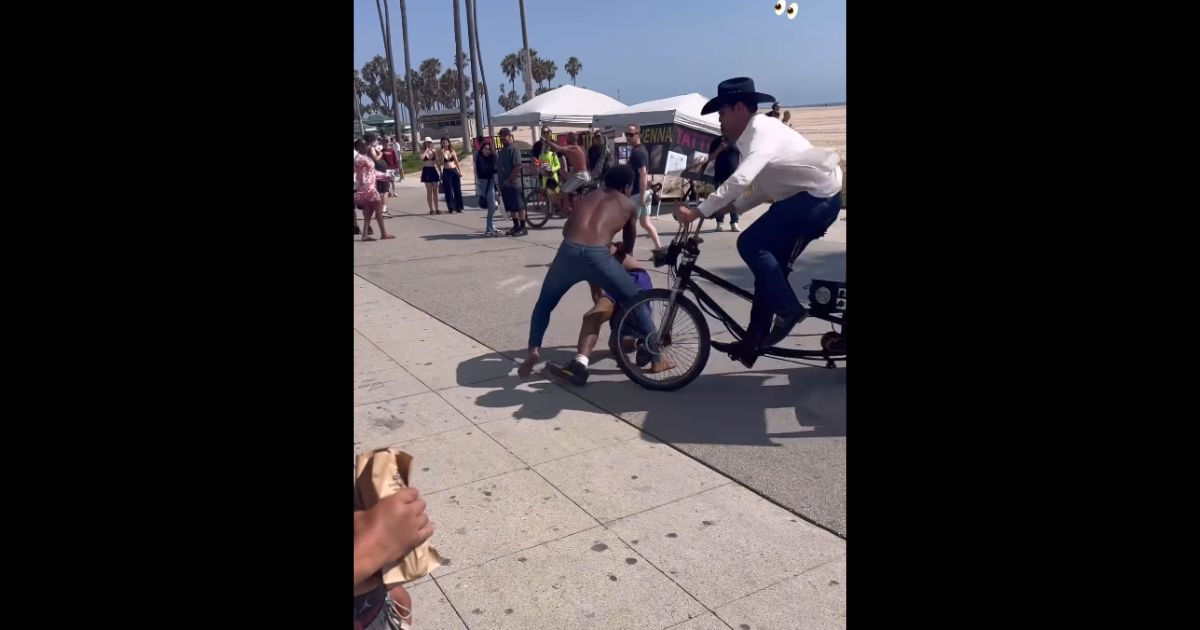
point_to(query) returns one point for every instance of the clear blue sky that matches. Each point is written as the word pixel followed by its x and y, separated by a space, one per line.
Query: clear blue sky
pixel 675 47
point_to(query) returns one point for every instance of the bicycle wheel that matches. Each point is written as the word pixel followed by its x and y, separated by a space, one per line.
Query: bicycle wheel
pixel 680 337
pixel 537 209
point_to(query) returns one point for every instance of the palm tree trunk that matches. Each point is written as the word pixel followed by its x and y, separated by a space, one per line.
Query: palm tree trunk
pixel 487 95
pixel 525 56
pixel 391 59
pixel 412 104
pixel 383 34
pixel 462 96
pixel 474 66
pixel 362 129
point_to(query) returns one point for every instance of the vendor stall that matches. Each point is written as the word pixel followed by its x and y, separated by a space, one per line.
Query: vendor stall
pixel 675 134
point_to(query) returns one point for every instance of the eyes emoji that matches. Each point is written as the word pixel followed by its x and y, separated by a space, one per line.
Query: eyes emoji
pixel 792 9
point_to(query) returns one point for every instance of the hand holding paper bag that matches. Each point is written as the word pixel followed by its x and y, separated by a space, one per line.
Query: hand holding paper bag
pixel 382 474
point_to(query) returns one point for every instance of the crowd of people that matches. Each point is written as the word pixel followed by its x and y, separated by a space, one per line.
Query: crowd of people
pixel 561 170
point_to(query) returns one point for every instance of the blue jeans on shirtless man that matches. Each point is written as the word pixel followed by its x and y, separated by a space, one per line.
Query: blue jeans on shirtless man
pixel 576 263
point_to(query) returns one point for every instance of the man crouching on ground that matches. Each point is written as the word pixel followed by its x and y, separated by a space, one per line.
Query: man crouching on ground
pixel 584 257
pixel 605 306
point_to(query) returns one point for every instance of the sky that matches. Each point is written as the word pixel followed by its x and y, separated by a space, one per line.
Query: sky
pixel 636 50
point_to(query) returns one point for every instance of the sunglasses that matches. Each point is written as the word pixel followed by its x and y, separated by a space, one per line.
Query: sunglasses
pixel 630 134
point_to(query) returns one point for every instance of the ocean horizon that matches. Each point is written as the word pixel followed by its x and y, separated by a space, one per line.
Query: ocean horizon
pixel 835 104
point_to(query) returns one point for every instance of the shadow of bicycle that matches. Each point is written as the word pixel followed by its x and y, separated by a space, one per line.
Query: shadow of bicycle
pixel 764 408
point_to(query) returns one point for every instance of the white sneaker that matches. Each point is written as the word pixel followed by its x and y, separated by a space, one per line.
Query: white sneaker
pixel 720 227
pixel 735 228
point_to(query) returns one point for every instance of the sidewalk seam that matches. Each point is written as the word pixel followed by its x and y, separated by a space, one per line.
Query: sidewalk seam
pixel 793 577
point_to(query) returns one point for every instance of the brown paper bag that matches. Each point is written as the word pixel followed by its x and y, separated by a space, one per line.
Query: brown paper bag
pixel 381 474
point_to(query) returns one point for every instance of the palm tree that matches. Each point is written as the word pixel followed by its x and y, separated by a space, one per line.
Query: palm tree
pixel 528 61
pixel 458 56
pixel 539 71
pixel 487 99
pixel 550 70
pixel 408 73
pixel 385 20
pixel 430 69
pixel 374 75
pixel 508 66
pixel 362 130
pixel 573 68
pixel 471 52
pixel 533 64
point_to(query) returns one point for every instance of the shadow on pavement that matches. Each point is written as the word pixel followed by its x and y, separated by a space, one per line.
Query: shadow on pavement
pixel 467 236
pixel 738 408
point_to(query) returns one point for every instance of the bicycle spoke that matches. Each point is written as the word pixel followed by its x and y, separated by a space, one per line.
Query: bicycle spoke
pixel 680 342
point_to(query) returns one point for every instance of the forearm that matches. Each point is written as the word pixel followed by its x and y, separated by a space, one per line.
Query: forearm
pixel 368 559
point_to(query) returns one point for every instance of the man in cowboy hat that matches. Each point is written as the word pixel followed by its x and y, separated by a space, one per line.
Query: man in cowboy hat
pixel 802 184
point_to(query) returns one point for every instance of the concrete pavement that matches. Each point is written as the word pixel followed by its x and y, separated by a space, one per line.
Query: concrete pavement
pixel 778 429
pixel 552 513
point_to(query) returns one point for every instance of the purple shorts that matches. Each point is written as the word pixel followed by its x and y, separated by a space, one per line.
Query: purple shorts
pixel 641 278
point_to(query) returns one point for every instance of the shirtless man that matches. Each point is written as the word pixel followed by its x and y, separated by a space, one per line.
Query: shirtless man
pixel 584 256
pixel 605 307
pixel 576 161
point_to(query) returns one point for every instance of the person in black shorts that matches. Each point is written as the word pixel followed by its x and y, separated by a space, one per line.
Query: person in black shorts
pixel 508 170
pixel 384 186
pixel 430 174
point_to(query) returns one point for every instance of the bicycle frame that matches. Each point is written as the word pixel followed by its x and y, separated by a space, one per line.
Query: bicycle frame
pixel 689 248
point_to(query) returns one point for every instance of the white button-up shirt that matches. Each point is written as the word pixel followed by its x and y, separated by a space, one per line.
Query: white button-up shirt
pixel 777 163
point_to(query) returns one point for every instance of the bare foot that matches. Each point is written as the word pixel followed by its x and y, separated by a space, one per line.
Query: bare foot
pixel 527 367
pixel 660 366
pixel 387 236
pixel 368 238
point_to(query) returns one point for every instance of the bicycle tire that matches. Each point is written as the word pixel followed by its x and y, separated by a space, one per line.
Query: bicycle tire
pixel 627 361
pixel 537 209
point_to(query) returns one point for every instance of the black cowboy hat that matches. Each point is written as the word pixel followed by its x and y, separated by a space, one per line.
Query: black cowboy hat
pixel 732 88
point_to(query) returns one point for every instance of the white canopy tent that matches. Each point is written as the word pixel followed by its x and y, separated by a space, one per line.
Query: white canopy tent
pixel 679 110
pixel 566 106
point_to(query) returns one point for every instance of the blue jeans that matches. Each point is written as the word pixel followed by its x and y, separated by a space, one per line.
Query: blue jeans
pixel 487 199
pixel 767 245
pixel 584 263
pixel 733 217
